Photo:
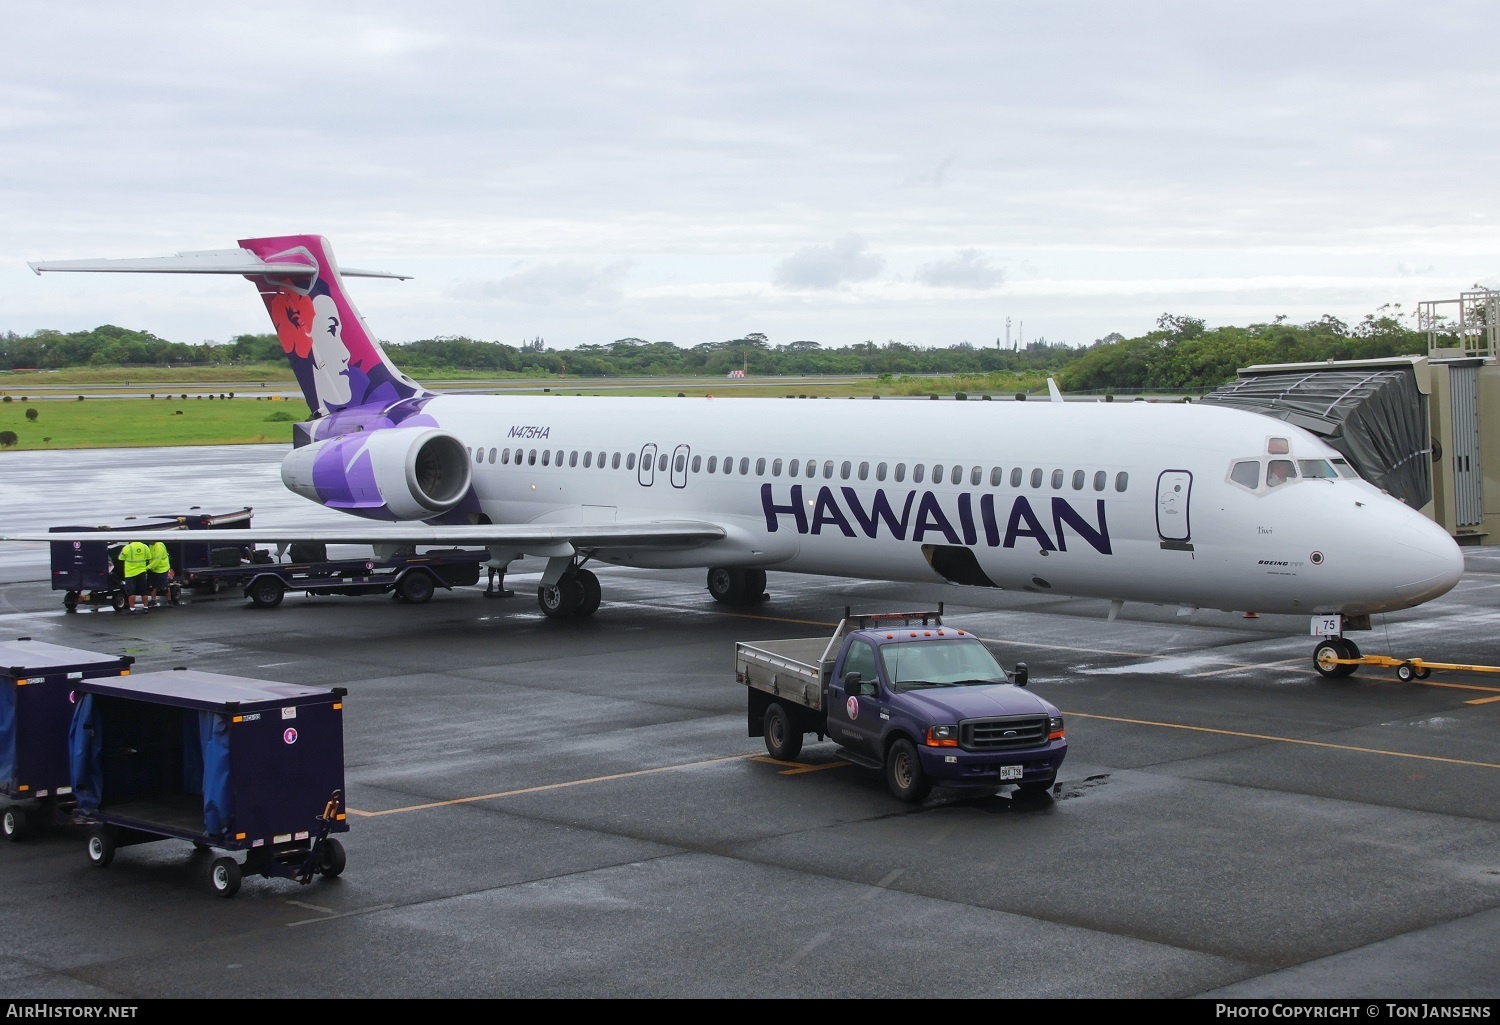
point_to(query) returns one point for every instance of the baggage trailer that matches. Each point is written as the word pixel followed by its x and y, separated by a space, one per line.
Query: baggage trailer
pixel 37 682
pixel 223 762
pixel 410 577
pixel 88 572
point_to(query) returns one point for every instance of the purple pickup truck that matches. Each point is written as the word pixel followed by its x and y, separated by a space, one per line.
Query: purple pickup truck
pixel 900 692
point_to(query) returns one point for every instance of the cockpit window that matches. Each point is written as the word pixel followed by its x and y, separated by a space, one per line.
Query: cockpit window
pixel 1345 470
pixel 1318 469
pixel 1278 446
pixel 1279 471
pixel 1246 474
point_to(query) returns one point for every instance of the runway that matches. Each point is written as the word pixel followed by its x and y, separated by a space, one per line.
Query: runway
pixel 546 809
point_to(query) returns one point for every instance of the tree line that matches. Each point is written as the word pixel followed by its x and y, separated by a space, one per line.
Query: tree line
pixel 1181 354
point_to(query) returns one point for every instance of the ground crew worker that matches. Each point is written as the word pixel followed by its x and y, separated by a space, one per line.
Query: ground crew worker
pixel 135 560
pixel 159 571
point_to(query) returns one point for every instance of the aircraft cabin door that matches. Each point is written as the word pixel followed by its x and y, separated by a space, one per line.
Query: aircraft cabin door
pixel 679 466
pixel 646 469
pixel 1173 526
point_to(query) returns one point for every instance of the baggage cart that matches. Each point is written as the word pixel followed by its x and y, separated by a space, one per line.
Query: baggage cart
pixel 412 577
pixel 37 684
pixel 224 762
pixel 88 572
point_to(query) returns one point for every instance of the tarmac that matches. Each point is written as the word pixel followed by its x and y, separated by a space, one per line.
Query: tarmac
pixel 544 809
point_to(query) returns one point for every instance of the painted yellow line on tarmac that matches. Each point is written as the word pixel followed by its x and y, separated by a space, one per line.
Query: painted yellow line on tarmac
pixel 1282 740
pixel 547 786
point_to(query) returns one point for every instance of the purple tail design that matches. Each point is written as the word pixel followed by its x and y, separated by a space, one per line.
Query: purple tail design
pixel 338 363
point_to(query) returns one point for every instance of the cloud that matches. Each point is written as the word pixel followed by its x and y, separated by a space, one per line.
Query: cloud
pixel 827 267
pixel 545 284
pixel 966 270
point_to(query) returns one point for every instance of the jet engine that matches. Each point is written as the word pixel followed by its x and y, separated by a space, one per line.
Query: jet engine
pixel 391 473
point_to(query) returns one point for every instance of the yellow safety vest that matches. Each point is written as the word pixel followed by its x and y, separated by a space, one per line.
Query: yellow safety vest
pixel 134 558
pixel 161 562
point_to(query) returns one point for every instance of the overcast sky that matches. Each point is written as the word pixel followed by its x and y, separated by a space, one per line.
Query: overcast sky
pixel 692 172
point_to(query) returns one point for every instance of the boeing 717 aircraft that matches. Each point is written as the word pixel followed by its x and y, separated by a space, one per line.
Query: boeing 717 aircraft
pixel 1175 504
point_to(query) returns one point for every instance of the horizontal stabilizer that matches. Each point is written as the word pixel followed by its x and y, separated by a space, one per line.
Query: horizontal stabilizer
pixel 207 261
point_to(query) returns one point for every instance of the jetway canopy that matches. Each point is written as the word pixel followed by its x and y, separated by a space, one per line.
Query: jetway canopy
pixel 1376 416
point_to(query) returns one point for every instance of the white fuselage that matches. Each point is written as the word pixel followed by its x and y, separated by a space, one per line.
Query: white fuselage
pixel 1130 501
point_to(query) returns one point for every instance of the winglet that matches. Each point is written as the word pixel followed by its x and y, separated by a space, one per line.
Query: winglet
pixel 1053 390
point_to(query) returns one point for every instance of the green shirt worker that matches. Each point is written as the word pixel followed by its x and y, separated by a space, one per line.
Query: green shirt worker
pixel 135 561
pixel 159 573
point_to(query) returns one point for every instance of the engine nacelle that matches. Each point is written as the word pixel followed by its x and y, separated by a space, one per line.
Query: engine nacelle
pixel 391 473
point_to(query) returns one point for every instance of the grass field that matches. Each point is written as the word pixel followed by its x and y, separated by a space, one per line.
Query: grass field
pixel 170 409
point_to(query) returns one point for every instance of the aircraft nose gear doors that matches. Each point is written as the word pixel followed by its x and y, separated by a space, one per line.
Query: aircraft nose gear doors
pixel 1173 489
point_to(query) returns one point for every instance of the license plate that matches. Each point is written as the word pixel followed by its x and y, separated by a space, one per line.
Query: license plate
pixel 1010 772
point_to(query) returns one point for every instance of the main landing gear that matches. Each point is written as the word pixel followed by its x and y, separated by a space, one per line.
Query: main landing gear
pixel 737 586
pixel 576 595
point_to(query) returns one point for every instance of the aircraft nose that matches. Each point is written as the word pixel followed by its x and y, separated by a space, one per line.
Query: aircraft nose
pixel 1428 562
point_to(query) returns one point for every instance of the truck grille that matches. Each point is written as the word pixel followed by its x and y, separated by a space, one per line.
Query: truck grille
pixel 1003 733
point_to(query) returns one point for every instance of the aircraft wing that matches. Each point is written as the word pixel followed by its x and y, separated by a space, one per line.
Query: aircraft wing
pixel 531 538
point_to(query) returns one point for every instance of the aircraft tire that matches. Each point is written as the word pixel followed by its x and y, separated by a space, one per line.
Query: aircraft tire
pixel 783 739
pixel 593 594
pixel 728 586
pixel 1330 648
pixel 562 601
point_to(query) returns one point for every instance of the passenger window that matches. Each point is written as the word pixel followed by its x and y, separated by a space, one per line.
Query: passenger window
pixel 1057 479
pixel 601 460
pixel 937 473
pixel 744 466
pixel 479 455
pixel 614 463
pixel 976 475
pixel 504 456
pixel 629 460
pixel 997 477
pixel 812 468
pixel 844 469
pixel 697 463
pixel 493 453
pixel 792 467
pixel 1078 478
pixel 1015 477
pixel 1246 474
pixel 760 467
pixel 917 473
pixel 1317 469
pixel 828 469
pixel 864 471
pixel 1279 471
pixel 880 471
pixel 559 457
pixel 776 468
pixel 1036 477
pixel 1122 481
pixel 957 475
pixel 531 458
pixel 713 463
pixel 900 472
pixel 573 458
pixel 518 457
pixel 679 463
pixel 588 460
pixel 1100 477
pixel 546 456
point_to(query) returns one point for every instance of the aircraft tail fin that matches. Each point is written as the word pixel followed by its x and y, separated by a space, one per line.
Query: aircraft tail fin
pixel 337 360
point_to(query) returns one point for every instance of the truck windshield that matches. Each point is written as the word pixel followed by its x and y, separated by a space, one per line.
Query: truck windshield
pixel 945 662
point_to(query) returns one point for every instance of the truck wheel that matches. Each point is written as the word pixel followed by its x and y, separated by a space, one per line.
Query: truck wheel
pixel 70 601
pixel 266 592
pixel 331 859
pixel 224 876
pixel 903 773
pixel 783 740
pixel 101 847
pixel 117 600
pixel 14 824
pixel 416 587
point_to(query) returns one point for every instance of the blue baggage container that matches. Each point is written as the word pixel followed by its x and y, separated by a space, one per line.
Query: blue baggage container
pixel 37 683
pixel 223 762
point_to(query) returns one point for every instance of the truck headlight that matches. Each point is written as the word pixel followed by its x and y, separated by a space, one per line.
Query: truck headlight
pixel 942 736
pixel 1055 728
